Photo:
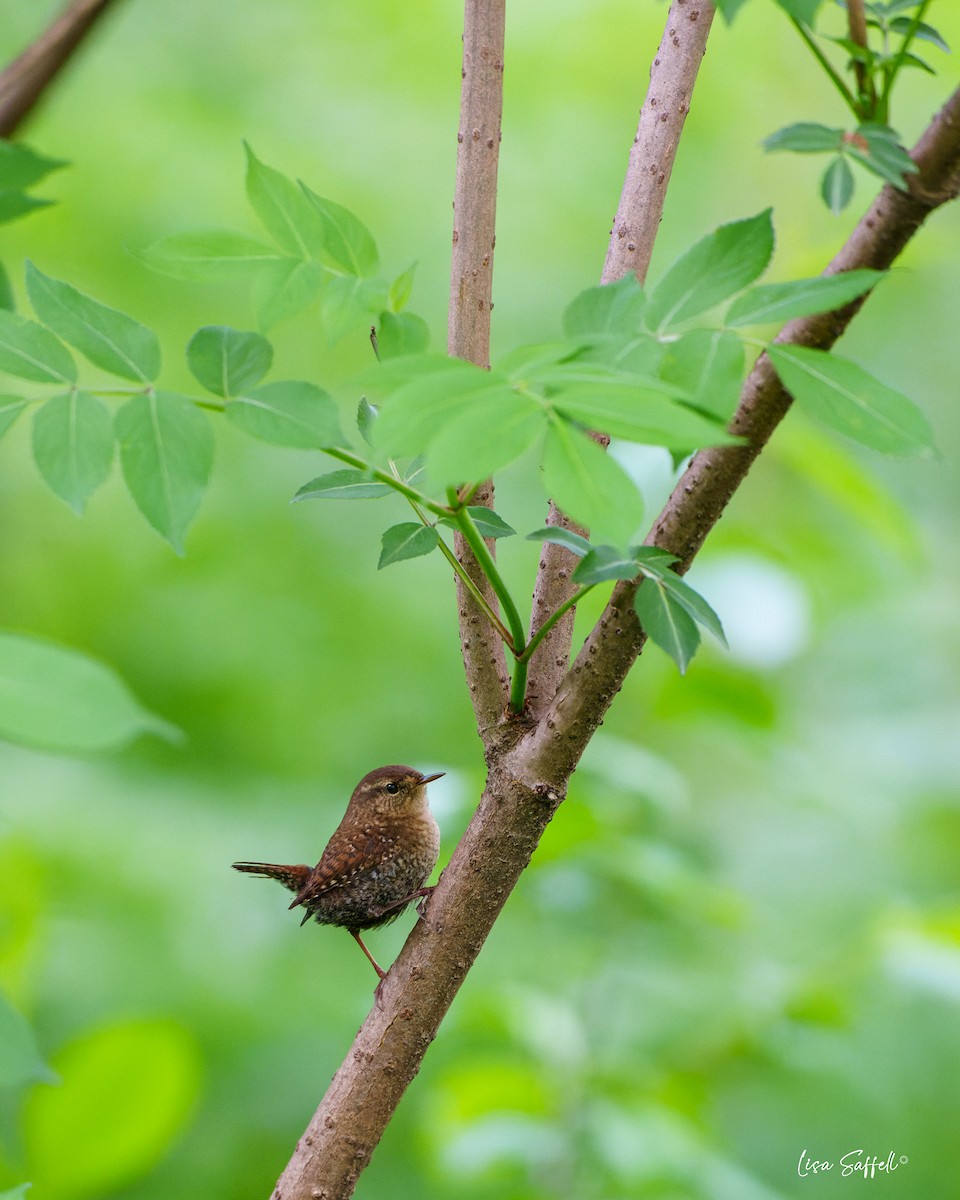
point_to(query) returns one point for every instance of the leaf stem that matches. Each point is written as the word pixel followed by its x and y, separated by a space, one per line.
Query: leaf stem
pixel 485 560
pixel 891 72
pixel 391 480
pixel 465 579
pixel 551 621
pixel 848 96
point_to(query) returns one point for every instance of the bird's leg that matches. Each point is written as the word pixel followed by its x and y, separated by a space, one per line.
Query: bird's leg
pixel 376 966
pixel 424 891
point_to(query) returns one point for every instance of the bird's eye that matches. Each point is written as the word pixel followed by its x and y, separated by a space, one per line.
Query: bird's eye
pixel 392 788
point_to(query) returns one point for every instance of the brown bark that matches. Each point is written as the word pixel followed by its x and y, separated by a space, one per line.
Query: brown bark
pixel 471 299
pixel 24 81
pixel 673 74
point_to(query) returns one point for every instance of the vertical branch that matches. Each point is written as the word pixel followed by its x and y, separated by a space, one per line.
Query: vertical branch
pixel 27 77
pixel 468 330
pixel 672 76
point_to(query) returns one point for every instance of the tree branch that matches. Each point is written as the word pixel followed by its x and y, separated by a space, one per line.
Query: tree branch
pixel 701 495
pixel 28 76
pixel 673 74
pixel 468 332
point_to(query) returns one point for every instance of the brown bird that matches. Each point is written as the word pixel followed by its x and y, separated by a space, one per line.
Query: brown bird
pixel 375 863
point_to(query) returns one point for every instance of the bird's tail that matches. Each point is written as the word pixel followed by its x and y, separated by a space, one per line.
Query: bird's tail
pixel 292 877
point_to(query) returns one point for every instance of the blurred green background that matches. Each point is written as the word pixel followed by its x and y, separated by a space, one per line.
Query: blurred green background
pixel 740 940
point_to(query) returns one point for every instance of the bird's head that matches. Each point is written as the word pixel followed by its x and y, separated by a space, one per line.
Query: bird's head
pixel 392 789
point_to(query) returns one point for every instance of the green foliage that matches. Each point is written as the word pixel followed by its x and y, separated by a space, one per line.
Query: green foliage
pixel 226 361
pixel 56 698
pixel 21 169
pixel 20 1060
pixel 166 451
pixel 716 268
pixel 630 366
pixel 872 70
pixel 73 445
pixel 322 255
pixel 848 399
pixel 28 351
pixel 109 339
pixel 407 540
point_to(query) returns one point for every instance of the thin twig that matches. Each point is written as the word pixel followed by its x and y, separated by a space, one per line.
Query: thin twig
pixel 673 74
pixel 25 80
pixel 468 333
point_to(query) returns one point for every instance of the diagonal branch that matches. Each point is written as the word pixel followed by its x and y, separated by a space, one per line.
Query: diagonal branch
pixel 673 74
pixel 468 334
pixel 698 500
pixel 23 82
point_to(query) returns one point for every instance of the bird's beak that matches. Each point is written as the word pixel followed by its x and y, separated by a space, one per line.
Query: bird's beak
pixel 430 778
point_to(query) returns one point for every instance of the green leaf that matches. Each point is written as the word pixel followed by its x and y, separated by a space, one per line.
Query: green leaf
pixel 486 437
pixel 800 298
pixel 7 300
pixel 423 393
pixel 802 10
pixel 10 408
pixel 348 484
pixel 717 267
pixel 603 563
pixel 613 308
pixel 922 31
pixel 883 154
pixel 20 1060
pixel 208 254
pixel 73 445
pixel 286 287
pixel 561 537
pixel 625 411
pixel 403 333
pixel 730 8
pixel 56 698
pixel 283 210
pixel 29 351
pixel 290 413
pixel 489 524
pixel 17 1193
pixel 805 138
pixel 14 204
pixel 347 243
pixel 366 417
pixel 836 187
pixel 166 451
pixel 850 400
pixel 108 338
pixel 708 365
pixel 348 302
pixel 408 540
pixel 109 1124
pixel 657 567
pixel 401 289
pixel 228 361
pixel 588 486
pixel 21 167
pixel 666 622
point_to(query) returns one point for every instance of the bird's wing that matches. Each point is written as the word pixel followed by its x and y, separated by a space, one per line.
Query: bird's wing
pixel 346 856
pixel 292 877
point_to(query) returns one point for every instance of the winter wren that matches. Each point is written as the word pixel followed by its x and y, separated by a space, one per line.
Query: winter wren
pixel 375 863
